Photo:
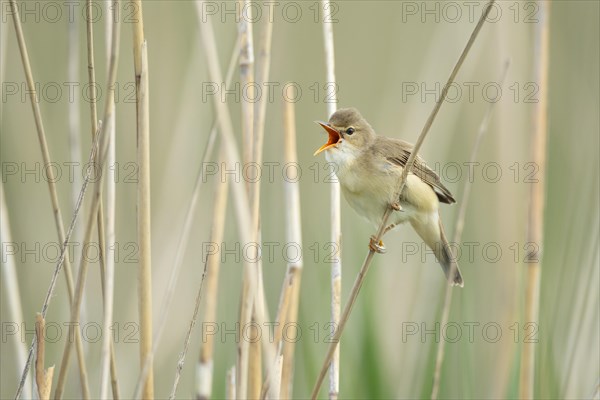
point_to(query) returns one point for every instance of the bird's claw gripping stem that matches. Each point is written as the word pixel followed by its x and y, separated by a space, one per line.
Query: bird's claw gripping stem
pixel 396 206
pixel 377 247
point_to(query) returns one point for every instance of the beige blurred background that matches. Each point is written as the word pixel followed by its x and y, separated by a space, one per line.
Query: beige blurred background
pixel 389 58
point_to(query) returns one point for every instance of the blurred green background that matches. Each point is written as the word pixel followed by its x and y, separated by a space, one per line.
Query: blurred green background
pixel 383 50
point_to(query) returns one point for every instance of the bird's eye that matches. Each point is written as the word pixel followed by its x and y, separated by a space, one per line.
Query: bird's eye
pixel 349 131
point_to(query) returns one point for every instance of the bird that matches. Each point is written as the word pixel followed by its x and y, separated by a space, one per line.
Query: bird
pixel 368 167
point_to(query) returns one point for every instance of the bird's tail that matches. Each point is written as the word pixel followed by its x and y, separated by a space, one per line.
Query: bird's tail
pixel 432 232
pixel 447 259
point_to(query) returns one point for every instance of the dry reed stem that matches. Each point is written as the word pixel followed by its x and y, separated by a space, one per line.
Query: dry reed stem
pixel 11 289
pixel 262 76
pixel 91 66
pixel 287 372
pixel 108 363
pixel 94 115
pixel 112 365
pixel 75 146
pixel 144 215
pixel 535 223
pixel 293 235
pixel 335 213
pixel 246 76
pixel 204 370
pixel 254 121
pixel 144 226
pixel 43 377
pixel 248 119
pixel 275 379
pixel 264 67
pixel 138 36
pixel 53 198
pixel 248 368
pixel 253 133
pixel 458 229
pixel 402 181
pixel 254 359
pixel 73 114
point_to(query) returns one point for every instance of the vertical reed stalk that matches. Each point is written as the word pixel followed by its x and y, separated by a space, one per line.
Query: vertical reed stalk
pixel 262 76
pixel 293 235
pixel 260 113
pixel 458 229
pixel 335 215
pixel 245 32
pixel 73 114
pixel 249 367
pixel 107 363
pixel 401 182
pixel 535 223
pixel 275 379
pixel 144 215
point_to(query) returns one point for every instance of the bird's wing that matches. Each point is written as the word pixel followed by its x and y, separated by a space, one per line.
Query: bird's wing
pixel 397 151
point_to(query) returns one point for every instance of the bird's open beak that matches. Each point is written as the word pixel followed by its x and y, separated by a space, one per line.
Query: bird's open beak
pixel 334 137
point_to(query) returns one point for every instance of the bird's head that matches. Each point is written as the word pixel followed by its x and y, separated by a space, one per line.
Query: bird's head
pixel 348 131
